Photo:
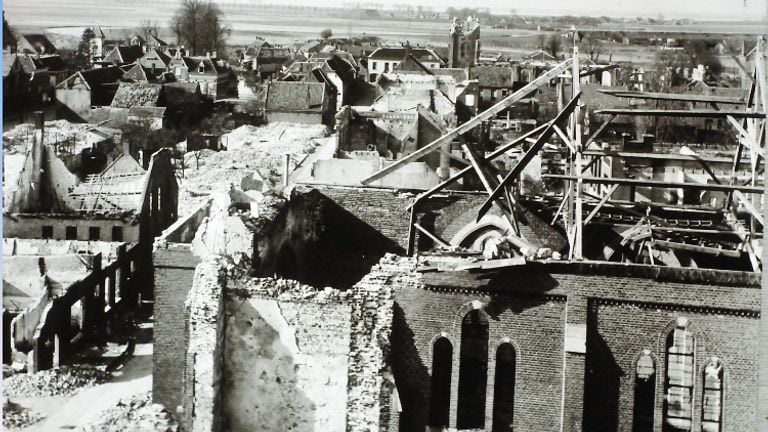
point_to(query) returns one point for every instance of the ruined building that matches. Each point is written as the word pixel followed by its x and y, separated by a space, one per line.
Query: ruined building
pixel 501 298
pixel 464 43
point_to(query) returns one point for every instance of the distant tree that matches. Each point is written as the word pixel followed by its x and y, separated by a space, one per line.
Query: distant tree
pixel 83 56
pixel 199 25
pixel 148 28
pixel 542 38
pixel 326 34
pixel 554 44
pixel 592 46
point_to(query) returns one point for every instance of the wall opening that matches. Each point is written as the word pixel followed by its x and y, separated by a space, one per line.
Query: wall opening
pixel 442 361
pixel 70 233
pixel 678 385
pixel 712 406
pixel 287 265
pixel 645 394
pixel 473 371
pixel 504 389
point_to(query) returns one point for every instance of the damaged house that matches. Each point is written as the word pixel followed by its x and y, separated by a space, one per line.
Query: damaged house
pixel 301 102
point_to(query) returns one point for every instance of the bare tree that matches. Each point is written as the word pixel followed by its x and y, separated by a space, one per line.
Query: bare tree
pixel 148 28
pixel 593 46
pixel 200 26
pixel 554 44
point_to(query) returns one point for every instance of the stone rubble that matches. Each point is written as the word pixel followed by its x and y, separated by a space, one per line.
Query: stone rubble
pixel 66 381
pixel 137 414
pixel 16 416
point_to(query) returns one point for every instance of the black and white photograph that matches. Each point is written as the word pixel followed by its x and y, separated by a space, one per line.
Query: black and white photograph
pixel 360 216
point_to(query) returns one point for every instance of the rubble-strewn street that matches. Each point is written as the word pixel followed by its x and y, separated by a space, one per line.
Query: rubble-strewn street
pixel 66 380
pixel 137 414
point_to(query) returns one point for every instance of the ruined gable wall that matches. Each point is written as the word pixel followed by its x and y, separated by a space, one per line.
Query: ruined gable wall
pixel 286 348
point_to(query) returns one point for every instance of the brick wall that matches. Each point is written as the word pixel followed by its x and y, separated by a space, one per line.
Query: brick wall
pixel 385 210
pixel 625 309
pixel 174 274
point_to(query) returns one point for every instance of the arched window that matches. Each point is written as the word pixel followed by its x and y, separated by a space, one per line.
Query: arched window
pixel 504 389
pixel 473 371
pixel 678 385
pixel 645 393
pixel 712 407
pixel 442 360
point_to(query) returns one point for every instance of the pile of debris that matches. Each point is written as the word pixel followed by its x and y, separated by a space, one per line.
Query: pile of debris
pixel 135 414
pixel 66 381
pixel 16 416
pixel 251 151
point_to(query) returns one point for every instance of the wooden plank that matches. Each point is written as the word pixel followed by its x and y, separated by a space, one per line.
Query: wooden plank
pixel 434 238
pixel 701 249
pixel 601 203
pixel 657 183
pixel 673 97
pixel 496 153
pixel 699 113
pixel 528 156
pixel 472 123
pixel 750 208
pixel 747 141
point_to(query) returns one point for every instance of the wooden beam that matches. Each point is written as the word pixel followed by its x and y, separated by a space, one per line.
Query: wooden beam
pixel 564 138
pixel 532 151
pixel 454 157
pixel 673 97
pixel 601 203
pixel 434 238
pixel 747 141
pixel 750 208
pixel 496 153
pixel 472 123
pixel 599 130
pixel 657 183
pixel 698 113
pixel 701 249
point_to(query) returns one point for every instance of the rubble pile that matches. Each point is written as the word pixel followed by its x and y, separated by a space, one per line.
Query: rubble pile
pixel 249 149
pixel 16 416
pixel 66 380
pixel 135 414
pixel 290 290
pixel 19 139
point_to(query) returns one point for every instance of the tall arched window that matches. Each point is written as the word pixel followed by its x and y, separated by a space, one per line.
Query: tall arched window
pixel 473 371
pixel 504 389
pixel 442 359
pixel 678 386
pixel 645 393
pixel 712 407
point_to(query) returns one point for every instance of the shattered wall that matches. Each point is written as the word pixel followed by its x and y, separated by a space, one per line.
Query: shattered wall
pixel 285 357
pixel 623 310
pixel 30 226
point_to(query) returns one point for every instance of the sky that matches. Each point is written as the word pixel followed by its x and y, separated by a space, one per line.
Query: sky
pixel 750 9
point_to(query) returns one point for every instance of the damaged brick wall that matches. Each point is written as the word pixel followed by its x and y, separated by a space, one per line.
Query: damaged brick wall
pixel 624 310
pixel 286 349
pixel 384 210
pixel 204 339
pixel 370 406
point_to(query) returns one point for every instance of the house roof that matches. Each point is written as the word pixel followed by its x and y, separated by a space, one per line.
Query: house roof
pixel 295 96
pixel 458 74
pixel 124 54
pixel 412 65
pixel 210 65
pixel 36 43
pixel 154 58
pixel 100 76
pixel 8 62
pixel 102 192
pixel 494 76
pixel 142 111
pixel 157 41
pixel 539 55
pixel 423 55
pixel 51 62
pixel 136 72
pixel 130 95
